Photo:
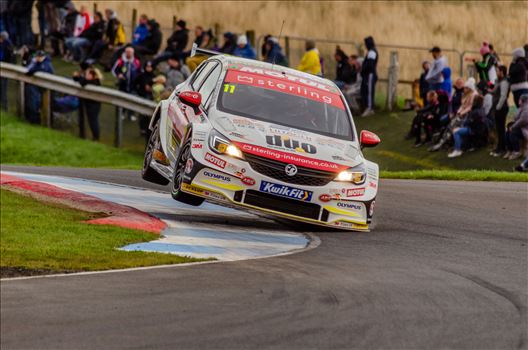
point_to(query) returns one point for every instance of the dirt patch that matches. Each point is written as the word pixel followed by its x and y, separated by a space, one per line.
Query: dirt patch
pixel 15 271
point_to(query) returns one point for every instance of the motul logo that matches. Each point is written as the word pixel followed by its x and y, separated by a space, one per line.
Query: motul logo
pixel 286 142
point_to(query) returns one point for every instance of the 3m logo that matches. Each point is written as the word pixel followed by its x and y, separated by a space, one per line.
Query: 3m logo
pixel 197 145
pixel 215 160
pixel 286 191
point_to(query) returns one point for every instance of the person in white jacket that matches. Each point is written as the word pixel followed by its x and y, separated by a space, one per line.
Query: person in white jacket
pixel 434 76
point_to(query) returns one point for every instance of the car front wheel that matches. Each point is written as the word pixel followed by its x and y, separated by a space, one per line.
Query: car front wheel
pixel 177 178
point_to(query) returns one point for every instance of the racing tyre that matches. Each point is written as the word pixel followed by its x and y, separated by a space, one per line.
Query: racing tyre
pixel 148 173
pixel 177 178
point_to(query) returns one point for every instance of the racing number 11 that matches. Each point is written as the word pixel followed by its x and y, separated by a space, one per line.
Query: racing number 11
pixel 229 88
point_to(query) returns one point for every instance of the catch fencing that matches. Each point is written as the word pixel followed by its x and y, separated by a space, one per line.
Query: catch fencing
pixel 53 83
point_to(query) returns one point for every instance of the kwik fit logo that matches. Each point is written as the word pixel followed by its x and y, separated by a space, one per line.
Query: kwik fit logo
pixel 285 191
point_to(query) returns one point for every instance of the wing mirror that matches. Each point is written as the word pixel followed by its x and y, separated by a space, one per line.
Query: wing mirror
pixel 190 98
pixel 368 139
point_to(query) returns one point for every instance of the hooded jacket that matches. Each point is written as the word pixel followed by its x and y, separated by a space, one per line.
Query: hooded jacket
pixel 447 84
pixel 518 74
pixel 178 41
pixel 247 51
pixel 36 66
pixel 344 71
pixel 94 32
pixel 310 62
pixel 486 68
pixel 130 68
pixel 435 76
pixel 370 63
pixel 275 54
pixel 521 119
pixel 140 33
pixel 153 40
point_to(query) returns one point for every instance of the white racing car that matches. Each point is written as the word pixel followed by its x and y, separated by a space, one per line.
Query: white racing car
pixel 263 137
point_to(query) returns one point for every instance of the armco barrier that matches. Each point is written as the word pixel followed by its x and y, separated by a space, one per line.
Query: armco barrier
pixel 51 82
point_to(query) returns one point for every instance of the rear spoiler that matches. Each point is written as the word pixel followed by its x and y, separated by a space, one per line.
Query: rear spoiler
pixel 196 50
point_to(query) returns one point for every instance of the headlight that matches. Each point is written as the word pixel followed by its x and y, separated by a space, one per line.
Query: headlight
pixel 357 175
pixel 221 145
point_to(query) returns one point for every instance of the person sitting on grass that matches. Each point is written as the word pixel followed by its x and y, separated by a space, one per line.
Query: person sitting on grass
pixel 517 131
pixel 473 131
pixel 426 118
pixel 86 39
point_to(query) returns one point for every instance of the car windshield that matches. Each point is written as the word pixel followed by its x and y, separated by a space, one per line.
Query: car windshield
pixel 284 102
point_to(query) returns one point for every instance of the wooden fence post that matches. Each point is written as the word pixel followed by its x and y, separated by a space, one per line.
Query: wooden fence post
pixel 118 132
pixel 251 37
pixel 21 99
pixel 286 48
pixel 392 83
pixel 134 21
pixel 174 21
pixel 217 30
pixel 472 71
pixel 94 8
pixel 45 109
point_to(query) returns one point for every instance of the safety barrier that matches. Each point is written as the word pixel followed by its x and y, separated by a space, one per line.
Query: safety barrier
pixel 50 82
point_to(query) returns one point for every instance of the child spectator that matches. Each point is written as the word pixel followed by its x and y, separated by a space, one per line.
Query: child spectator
pixel 176 44
pixel 92 76
pixel 176 74
pixel 435 76
pixel 114 35
pixel 87 38
pixel 126 69
pixel 344 74
pixel 244 48
pixel 310 62
pixel 473 130
pixel 274 53
pixel 486 67
pixel 500 110
pixel 424 85
pixel 158 88
pixel 518 130
pixel 143 82
pixel 369 76
pixel 518 75
pixel 33 94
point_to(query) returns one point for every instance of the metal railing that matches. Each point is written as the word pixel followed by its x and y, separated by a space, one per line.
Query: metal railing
pixel 50 82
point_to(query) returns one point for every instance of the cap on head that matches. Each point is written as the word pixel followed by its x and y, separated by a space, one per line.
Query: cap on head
pixel 242 40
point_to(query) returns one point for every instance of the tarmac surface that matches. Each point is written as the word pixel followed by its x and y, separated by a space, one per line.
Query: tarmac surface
pixel 445 267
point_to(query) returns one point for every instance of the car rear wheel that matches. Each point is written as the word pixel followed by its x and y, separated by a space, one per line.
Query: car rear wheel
pixel 177 178
pixel 148 173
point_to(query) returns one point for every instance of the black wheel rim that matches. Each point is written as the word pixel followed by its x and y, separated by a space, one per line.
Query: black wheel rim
pixel 151 146
pixel 179 172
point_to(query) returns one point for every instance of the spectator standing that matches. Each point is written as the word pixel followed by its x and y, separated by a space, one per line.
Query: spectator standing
pixel 92 77
pixel 176 74
pixel 311 61
pixel 176 44
pixel 244 48
pixel 141 30
pixel 435 76
pixel 126 69
pixel 518 75
pixel 344 74
pixel 7 54
pixel 424 85
pixel 143 82
pixel 500 110
pixel 87 38
pixel 473 128
pixel 114 35
pixel 369 76
pixel 229 44
pixel 518 130
pixel 19 15
pixel 486 67
pixel 274 53
pixel 33 94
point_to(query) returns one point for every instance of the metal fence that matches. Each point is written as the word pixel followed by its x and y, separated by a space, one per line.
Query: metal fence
pixel 50 82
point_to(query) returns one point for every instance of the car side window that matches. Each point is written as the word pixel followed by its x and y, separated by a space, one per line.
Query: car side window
pixel 202 74
pixel 210 84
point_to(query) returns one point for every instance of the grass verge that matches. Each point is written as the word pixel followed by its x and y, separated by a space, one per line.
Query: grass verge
pixel 464 175
pixel 27 144
pixel 36 236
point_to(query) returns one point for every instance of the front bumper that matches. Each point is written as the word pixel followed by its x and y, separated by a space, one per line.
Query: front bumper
pixel 233 182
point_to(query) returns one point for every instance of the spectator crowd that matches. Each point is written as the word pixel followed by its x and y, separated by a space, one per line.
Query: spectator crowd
pixel 459 116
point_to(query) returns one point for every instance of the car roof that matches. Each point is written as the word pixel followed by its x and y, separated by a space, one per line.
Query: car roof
pixel 265 65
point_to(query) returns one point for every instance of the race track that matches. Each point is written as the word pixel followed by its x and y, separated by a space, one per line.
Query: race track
pixel 445 267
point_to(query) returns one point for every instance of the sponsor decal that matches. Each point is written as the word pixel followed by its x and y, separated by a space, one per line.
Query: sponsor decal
pixel 248 180
pixel 282 76
pixel 236 134
pixel 215 160
pixel 192 189
pixel 285 191
pixel 355 192
pixel 197 145
pixel 220 177
pixel 214 195
pixel 284 131
pixel 189 166
pixel 291 144
pixel 373 184
pixel 338 158
pixel 349 205
pixel 295 159
pixel 286 84
pixel 325 197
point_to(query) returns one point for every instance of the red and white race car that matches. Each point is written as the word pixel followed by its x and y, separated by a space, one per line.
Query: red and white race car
pixel 259 136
